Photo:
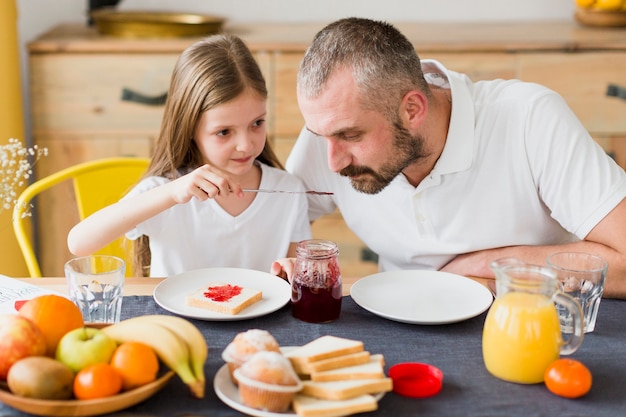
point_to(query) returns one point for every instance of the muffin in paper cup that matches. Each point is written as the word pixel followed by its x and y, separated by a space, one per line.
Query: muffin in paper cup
pixel 246 344
pixel 267 382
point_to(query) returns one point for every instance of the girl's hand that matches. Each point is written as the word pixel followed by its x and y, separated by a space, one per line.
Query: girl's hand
pixel 203 183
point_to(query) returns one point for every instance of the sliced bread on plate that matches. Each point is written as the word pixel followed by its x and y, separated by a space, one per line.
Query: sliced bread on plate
pixel 223 298
pixel 306 406
pixel 343 390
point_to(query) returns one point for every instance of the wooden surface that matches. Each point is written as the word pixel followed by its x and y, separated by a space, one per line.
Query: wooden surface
pixel 145 286
pixel 450 37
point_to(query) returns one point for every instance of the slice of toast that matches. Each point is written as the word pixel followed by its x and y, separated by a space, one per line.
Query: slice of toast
pixel 223 298
pixel 306 406
pixel 323 347
pixel 341 361
pixel 371 369
pixel 346 389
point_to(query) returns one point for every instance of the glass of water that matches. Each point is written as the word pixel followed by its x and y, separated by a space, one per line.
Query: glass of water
pixel 582 276
pixel 95 284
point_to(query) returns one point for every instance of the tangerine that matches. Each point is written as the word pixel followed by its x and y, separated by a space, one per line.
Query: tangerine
pixel 137 362
pixel 55 315
pixel 568 378
pixel 97 381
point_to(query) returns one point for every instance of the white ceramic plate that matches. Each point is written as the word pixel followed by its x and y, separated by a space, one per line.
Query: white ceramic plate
pixel 170 293
pixel 229 393
pixel 421 297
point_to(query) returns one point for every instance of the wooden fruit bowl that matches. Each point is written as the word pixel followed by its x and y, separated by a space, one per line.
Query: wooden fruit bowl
pixel 600 18
pixel 83 407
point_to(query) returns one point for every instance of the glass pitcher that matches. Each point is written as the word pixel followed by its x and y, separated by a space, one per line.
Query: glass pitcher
pixel 522 333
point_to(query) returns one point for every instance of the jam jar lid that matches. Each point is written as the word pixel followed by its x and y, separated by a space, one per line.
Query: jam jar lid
pixel 416 380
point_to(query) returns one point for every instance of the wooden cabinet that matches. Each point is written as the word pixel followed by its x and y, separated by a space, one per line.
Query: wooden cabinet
pixel 77 78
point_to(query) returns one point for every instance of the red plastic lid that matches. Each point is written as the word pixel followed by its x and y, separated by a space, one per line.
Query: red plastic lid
pixel 417 380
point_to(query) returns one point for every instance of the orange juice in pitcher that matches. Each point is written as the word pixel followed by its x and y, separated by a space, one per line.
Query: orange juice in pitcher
pixel 522 332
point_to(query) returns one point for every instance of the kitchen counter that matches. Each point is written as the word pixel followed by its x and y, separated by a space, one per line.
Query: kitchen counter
pixel 427 37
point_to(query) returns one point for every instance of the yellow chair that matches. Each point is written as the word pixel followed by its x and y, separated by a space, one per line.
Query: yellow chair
pixel 97 184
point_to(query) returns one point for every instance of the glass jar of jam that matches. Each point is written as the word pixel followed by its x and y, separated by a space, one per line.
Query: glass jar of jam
pixel 316 289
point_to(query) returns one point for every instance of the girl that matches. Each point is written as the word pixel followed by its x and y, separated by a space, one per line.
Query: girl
pixel 190 206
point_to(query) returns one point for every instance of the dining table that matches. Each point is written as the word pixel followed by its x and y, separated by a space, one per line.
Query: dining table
pixel 455 348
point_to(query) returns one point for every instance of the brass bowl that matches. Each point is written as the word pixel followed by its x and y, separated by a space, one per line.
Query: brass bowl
pixel 142 24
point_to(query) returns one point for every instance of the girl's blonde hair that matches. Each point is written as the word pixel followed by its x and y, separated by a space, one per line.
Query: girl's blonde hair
pixel 208 73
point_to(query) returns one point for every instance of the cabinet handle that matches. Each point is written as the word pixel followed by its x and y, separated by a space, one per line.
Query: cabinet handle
pixel 130 95
pixel 614 90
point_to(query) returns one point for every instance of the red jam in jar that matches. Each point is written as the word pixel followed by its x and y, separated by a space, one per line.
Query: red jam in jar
pixel 316 289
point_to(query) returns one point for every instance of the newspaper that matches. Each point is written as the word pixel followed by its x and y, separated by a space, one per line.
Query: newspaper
pixel 14 292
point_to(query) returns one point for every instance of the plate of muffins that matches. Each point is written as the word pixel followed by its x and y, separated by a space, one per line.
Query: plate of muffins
pixel 261 378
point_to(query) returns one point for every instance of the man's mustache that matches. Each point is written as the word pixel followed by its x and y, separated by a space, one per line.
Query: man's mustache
pixel 351 171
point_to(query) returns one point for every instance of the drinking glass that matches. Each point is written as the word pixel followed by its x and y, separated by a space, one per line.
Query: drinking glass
pixel 95 284
pixel 581 275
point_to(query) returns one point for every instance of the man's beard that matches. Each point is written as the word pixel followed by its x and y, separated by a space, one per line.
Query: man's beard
pixel 408 148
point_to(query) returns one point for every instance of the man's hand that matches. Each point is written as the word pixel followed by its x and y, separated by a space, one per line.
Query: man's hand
pixel 283 268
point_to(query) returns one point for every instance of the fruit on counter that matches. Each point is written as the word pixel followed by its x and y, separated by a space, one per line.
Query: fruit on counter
pixel 198 349
pixel 19 338
pixel 54 315
pixel 136 362
pixel 97 381
pixel 41 377
pixel 80 348
pixel 605 5
pixel 175 348
pixel 568 378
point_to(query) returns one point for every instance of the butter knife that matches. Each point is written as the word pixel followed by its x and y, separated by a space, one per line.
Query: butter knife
pixel 249 190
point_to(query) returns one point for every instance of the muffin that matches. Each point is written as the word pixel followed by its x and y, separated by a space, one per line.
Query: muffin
pixel 267 382
pixel 246 344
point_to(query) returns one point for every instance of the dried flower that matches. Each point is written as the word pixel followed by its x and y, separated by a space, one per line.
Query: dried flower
pixel 16 167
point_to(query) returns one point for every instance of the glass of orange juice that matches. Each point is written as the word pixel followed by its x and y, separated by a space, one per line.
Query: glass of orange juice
pixel 522 332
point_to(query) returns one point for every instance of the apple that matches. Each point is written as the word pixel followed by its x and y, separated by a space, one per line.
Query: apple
pixel 85 346
pixel 19 338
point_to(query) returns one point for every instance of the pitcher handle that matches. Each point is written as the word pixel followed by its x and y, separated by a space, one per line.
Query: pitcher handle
pixel 573 343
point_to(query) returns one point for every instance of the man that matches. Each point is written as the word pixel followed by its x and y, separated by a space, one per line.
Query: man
pixel 434 171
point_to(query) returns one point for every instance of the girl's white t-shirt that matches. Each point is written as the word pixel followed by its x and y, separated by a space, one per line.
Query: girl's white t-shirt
pixel 200 234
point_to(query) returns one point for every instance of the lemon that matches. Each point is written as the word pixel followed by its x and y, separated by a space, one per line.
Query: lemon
pixel 584 3
pixel 608 4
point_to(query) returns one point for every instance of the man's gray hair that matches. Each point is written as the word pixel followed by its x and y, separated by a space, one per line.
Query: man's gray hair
pixel 383 62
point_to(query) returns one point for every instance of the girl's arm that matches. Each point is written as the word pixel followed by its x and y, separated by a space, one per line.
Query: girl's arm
pixel 111 222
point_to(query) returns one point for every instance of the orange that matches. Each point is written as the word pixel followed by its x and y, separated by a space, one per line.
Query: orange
pixel 568 378
pixel 55 315
pixel 97 381
pixel 136 362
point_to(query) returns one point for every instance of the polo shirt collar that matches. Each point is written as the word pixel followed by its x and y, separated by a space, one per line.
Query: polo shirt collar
pixel 458 151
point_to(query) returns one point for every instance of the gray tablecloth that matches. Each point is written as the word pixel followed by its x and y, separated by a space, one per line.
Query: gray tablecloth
pixel 468 389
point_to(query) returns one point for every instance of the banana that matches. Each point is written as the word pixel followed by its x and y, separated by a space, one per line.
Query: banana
pixel 170 348
pixel 198 349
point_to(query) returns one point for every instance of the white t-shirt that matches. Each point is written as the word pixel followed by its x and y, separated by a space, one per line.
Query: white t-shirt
pixel 200 234
pixel 518 168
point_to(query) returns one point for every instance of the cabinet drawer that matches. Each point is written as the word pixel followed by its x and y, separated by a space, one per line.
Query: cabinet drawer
pixel 289 120
pixel 477 66
pixel 82 92
pixel 582 79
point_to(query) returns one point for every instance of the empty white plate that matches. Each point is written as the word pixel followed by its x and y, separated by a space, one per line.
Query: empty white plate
pixel 421 297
